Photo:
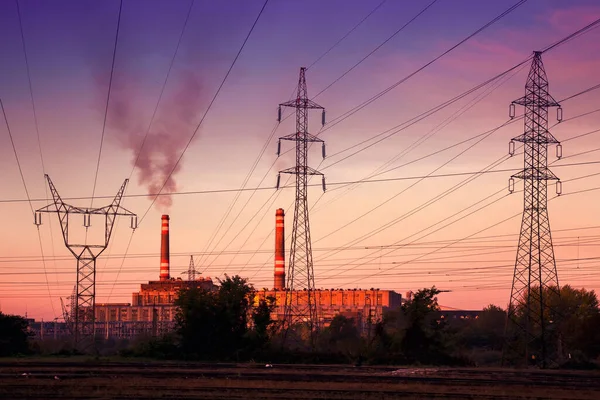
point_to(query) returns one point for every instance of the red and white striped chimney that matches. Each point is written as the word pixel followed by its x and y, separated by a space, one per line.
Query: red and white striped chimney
pixel 164 249
pixel 279 250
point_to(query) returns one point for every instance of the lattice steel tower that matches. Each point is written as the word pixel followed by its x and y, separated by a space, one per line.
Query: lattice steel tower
pixel 529 328
pixel 300 276
pixel 83 306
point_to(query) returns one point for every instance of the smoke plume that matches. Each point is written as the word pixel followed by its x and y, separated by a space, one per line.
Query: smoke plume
pixel 177 117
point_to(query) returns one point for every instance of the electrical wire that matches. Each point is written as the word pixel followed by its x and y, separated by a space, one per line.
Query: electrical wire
pixel 36 124
pixel 389 224
pixel 12 143
pixel 339 183
pixel 354 110
pixel 376 48
pixel 154 112
pixel 112 69
pixel 207 109
pixel 346 35
pixel 493 21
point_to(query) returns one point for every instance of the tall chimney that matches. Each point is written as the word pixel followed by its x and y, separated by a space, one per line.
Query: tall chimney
pixel 279 250
pixel 164 249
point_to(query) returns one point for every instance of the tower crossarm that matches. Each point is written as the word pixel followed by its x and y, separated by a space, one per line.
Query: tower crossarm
pixel 536 174
pixel 302 137
pixel 536 138
pixel 305 170
pixel 302 103
pixel 546 101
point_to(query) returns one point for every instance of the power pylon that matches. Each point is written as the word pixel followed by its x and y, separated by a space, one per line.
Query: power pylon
pixel 300 276
pixel 530 328
pixel 191 270
pixel 83 310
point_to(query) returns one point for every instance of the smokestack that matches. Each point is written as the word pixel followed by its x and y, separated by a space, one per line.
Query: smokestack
pixel 164 249
pixel 279 250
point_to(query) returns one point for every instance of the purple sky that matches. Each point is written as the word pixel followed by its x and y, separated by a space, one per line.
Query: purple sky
pixel 69 48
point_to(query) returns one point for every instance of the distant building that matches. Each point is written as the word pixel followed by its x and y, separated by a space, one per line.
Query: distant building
pixel 151 311
pixel 363 305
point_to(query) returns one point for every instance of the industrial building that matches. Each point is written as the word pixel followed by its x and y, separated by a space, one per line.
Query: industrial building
pixel 152 310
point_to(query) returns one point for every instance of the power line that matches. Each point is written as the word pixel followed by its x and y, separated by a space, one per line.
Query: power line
pixel 354 110
pixel 572 36
pixel 447 218
pixel 339 183
pixel 377 48
pixel 112 69
pixel 458 186
pixel 493 21
pixel 346 35
pixel 476 233
pixel 207 109
pixel 367 102
pixel 412 121
pixel 36 124
pixel 474 244
pixel 158 101
pixel 12 142
pixel 162 89
pixel 234 201
pixel 428 135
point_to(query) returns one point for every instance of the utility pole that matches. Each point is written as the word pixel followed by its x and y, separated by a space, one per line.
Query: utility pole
pixel 529 315
pixel 300 276
pixel 83 311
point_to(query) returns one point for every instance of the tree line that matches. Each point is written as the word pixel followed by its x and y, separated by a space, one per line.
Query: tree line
pixel 230 324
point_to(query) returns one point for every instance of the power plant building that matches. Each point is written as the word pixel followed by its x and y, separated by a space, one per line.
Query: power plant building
pixel 152 309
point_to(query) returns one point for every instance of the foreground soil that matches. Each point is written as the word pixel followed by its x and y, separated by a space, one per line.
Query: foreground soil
pixel 69 379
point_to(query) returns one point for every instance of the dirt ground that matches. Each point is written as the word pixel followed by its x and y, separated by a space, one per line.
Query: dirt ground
pixel 68 379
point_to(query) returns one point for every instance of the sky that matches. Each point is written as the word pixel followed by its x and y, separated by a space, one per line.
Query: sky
pixel 451 229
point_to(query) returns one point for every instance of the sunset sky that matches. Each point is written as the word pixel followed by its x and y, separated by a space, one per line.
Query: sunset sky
pixel 400 234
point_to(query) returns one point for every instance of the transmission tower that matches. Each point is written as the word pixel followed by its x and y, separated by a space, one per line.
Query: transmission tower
pixel 83 309
pixel 530 327
pixel 191 270
pixel 300 276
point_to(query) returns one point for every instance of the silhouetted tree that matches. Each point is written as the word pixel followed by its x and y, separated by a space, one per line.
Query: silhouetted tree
pixel 423 339
pixel 14 337
pixel 487 331
pixel 214 324
pixel 261 317
pixel 341 337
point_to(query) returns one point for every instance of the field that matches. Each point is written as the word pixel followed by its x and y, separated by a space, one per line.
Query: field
pixel 68 379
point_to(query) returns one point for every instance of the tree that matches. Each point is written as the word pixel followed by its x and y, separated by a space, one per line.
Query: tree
pixel 342 337
pixel 569 317
pixel 487 331
pixel 234 297
pixel 262 321
pixel 578 318
pixel 423 333
pixel 214 324
pixel 195 320
pixel 14 337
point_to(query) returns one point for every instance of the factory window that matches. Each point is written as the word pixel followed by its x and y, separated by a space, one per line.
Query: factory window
pixel 113 314
pixel 145 315
pixel 134 315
